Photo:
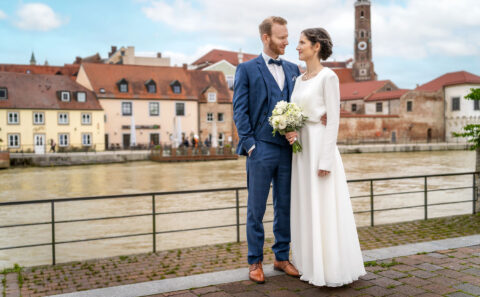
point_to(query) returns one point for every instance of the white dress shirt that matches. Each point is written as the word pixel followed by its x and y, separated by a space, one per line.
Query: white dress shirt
pixel 275 70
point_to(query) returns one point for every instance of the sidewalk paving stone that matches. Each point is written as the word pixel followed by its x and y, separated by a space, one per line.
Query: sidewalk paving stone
pixel 428 274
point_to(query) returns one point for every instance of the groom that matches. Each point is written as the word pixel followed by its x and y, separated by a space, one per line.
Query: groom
pixel 259 84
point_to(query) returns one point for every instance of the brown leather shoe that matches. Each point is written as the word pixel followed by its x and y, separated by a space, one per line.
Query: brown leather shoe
pixel 286 267
pixel 256 273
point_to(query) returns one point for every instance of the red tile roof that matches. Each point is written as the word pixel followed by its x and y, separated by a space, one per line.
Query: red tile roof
pixel 69 70
pixel 360 90
pixel 344 75
pixel 193 82
pixel 217 55
pixel 448 79
pixel 387 95
pixel 40 91
pixel 336 64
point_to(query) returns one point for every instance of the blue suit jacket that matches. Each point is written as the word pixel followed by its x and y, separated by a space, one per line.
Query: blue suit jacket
pixel 251 94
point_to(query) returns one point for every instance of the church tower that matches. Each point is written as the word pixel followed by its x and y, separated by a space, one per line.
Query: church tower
pixel 363 65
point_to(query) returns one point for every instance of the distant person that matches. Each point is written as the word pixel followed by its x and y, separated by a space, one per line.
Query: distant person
pixel 52 145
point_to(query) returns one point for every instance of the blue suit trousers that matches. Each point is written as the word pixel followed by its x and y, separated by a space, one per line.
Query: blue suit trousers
pixel 269 163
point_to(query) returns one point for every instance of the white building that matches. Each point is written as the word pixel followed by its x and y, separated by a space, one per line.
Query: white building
pixel 459 111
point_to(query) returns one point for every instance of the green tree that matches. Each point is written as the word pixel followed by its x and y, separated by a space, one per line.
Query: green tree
pixel 472 133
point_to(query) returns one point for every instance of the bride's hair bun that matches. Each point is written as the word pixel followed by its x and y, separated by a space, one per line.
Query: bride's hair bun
pixel 320 35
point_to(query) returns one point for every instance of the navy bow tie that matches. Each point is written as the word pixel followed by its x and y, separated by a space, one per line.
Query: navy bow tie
pixel 276 62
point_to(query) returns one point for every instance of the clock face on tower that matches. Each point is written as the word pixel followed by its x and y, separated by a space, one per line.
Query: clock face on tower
pixel 362 45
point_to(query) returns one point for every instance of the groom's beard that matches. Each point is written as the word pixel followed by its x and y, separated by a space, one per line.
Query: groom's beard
pixel 276 48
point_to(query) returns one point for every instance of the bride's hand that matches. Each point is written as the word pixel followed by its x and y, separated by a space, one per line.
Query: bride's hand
pixel 291 137
pixel 322 173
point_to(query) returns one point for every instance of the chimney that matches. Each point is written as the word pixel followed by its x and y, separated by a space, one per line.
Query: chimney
pixel 184 66
pixel 240 56
pixel 112 51
pixel 159 55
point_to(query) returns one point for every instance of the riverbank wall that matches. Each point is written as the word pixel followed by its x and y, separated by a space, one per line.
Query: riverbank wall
pixel 68 159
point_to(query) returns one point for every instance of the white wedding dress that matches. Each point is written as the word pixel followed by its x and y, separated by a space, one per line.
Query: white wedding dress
pixel 325 246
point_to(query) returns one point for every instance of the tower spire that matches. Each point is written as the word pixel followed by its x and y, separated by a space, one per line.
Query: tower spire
pixel 32 59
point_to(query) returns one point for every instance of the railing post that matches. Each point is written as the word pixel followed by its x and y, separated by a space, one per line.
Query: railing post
pixel 474 195
pixel 238 215
pixel 425 190
pixel 371 204
pixel 154 226
pixel 53 231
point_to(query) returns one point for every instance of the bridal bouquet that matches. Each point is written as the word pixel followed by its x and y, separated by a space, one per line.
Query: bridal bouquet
pixel 287 117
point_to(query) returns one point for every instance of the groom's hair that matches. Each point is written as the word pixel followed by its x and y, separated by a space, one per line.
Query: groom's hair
pixel 266 26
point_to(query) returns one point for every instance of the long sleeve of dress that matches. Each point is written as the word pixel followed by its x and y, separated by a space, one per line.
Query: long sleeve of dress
pixel 331 95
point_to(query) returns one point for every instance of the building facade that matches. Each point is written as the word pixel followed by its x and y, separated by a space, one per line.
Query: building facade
pixel 148 105
pixel 39 110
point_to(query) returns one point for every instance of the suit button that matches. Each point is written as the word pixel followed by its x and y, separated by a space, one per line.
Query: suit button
pixel 265 113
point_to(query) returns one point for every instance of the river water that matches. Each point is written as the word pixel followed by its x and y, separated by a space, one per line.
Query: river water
pixel 20 184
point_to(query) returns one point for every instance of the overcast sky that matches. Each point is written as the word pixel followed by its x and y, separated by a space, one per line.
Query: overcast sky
pixel 413 41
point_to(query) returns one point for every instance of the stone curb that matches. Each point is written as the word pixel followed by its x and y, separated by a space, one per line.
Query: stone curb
pixel 228 276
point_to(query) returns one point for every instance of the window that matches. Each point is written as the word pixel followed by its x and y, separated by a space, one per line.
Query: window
pixel 63 118
pixel 3 93
pixel 81 96
pixel 154 138
pixel 221 138
pixel 230 81
pixel 123 88
pixel 354 107
pixel 13 140
pixel 180 109
pixel 65 96
pixel 476 105
pixel 362 14
pixel 63 140
pixel 212 97
pixel 209 117
pixel 13 117
pixel 388 89
pixel 409 106
pixel 86 139
pixel 86 119
pixel 151 86
pixel 126 108
pixel 38 118
pixel 220 117
pixel 379 106
pixel 102 90
pixel 154 108
pixel 455 103
pixel 176 87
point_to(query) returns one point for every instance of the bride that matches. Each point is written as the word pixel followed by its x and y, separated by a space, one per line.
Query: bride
pixel 325 246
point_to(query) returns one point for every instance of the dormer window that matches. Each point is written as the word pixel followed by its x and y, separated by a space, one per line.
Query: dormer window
pixel 176 87
pixel 65 96
pixel 123 86
pixel 212 97
pixel 3 93
pixel 151 86
pixel 81 96
pixel 102 90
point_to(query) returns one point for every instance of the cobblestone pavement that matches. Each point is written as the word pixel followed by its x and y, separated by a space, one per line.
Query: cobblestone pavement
pixel 454 272
pixel 115 271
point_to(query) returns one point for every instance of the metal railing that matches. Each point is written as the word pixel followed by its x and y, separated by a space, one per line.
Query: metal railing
pixel 153 214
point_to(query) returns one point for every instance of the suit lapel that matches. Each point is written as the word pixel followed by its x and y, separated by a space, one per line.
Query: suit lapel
pixel 265 72
pixel 288 79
